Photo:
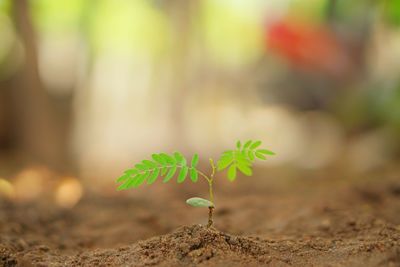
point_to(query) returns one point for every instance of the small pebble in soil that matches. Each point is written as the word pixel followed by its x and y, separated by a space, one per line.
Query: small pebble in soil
pixel 325 225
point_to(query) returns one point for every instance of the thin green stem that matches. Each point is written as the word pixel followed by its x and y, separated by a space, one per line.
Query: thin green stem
pixel 211 180
pixel 204 176
pixel 210 190
pixel 213 168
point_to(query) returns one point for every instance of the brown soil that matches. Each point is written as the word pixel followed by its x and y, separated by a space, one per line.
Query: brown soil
pixel 289 219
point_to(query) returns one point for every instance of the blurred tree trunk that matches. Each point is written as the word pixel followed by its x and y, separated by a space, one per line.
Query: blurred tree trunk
pixel 37 126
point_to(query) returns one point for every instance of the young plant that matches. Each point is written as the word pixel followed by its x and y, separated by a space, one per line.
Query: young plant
pixel 167 165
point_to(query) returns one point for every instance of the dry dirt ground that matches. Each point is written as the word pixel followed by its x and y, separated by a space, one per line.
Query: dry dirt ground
pixel 278 218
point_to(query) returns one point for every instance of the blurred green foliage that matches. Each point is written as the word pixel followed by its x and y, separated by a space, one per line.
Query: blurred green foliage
pixel 57 16
pixel 129 26
pixel 392 11
pixel 232 33
pixel 312 11
pixel 5 6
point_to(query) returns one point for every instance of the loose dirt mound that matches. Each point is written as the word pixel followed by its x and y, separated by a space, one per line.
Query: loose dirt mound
pixel 198 246
pixel 187 246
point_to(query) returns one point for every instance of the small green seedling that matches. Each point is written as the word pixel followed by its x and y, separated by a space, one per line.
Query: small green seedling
pixel 166 166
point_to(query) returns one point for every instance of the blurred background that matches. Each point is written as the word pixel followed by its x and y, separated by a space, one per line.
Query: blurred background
pixel 89 87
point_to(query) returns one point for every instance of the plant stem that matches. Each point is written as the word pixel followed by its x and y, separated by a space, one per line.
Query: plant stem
pixel 210 181
pixel 210 209
pixel 210 190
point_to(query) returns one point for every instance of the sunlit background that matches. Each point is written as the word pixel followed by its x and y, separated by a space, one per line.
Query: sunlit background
pixel 89 87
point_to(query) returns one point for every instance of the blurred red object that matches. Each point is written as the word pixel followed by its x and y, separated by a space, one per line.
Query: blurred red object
pixel 310 47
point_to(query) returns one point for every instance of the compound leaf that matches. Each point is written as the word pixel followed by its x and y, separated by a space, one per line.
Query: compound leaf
pixel 160 164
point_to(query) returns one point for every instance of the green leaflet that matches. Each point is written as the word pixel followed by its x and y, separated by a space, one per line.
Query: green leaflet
pixel 164 170
pixel 194 176
pixel 195 160
pixel 247 144
pixel 122 178
pixel 226 159
pixel 157 158
pixel 140 179
pixel 131 183
pixel 255 144
pixel 140 167
pixel 182 174
pixel 232 173
pixel 238 144
pixel 121 187
pixel 250 154
pixel 149 164
pixel 168 159
pixel 245 169
pixel 131 172
pixel 170 174
pixel 241 156
pixel 265 151
pixel 179 158
pixel 153 177
pixel 126 184
pixel 260 155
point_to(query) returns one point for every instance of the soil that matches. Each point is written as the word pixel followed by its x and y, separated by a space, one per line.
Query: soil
pixel 285 218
